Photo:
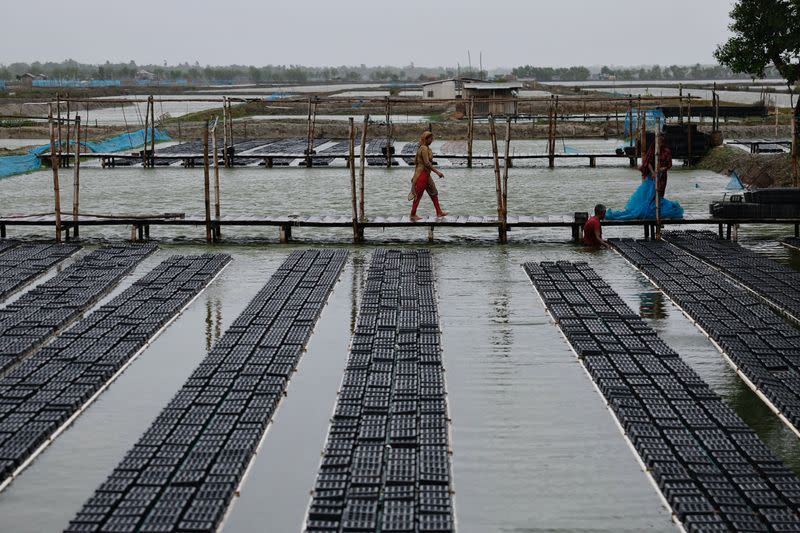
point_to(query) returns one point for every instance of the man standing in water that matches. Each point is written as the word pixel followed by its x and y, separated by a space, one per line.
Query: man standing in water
pixel 593 231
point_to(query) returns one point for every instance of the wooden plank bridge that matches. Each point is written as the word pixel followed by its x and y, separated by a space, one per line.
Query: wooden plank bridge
pixel 192 159
pixel 141 225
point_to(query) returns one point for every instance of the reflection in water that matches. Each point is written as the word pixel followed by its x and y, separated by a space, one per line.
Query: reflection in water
pixel 213 322
pixel 358 278
pixel 651 304
pixel 755 413
pixel 502 336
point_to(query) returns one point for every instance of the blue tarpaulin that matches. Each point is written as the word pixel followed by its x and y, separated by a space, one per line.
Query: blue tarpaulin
pixel 735 184
pixel 651 119
pixel 12 165
pixel 642 205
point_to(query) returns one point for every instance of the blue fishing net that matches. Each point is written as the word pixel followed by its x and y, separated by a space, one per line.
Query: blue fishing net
pixel 12 165
pixel 735 184
pixel 126 141
pixel 642 205
pixel 652 117
pixel 20 164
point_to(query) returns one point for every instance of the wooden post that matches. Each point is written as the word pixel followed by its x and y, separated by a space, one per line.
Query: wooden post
pixel 76 178
pixel 657 169
pixel 795 177
pixel 642 130
pixel 58 113
pixel 206 185
pixel 312 118
pixel 680 103
pixel 54 161
pixel 470 130
pixel 225 130
pixel 146 121
pixel 551 142
pixel 66 161
pixel 230 132
pixel 715 103
pixel 152 132
pixel 689 131
pixel 498 185
pixel 351 164
pixel 776 118
pixel 505 179
pixel 388 133
pixel 218 229
pixel 361 216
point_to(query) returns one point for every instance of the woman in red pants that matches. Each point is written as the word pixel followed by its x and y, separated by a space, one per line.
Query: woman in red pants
pixel 422 181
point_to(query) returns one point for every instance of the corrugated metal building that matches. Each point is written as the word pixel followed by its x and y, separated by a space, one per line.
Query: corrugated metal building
pixel 465 88
pixel 446 89
pixel 487 90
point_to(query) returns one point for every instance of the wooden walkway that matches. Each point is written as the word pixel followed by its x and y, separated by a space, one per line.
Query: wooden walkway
pixel 141 224
pixel 192 159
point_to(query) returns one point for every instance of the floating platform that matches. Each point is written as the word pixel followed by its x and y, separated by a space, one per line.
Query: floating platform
pixel 41 312
pixel 757 343
pixel 22 264
pixel 386 463
pixel 294 152
pixel 186 470
pixel 48 390
pixel 776 284
pixel 710 468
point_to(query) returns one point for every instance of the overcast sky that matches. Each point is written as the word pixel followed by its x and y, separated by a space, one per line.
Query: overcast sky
pixel 372 32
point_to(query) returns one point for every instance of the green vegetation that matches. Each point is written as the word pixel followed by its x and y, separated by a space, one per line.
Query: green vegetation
pixel 765 32
pixel 16 123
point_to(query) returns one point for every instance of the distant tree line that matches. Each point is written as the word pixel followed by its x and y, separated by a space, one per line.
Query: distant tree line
pixel 552 74
pixel 656 72
pixel 71 69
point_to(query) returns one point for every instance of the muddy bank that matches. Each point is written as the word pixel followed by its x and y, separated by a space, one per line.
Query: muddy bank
pixel 757 170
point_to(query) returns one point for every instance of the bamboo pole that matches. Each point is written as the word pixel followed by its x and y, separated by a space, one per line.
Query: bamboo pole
pixel 551 143
pixel 76 178
pixel 715 103
pixel 680 103
pixel 54 161
pixel 630 122
pixel 152 132
pixel 388 133
pixel 361 214
pixel 470 130
pixel 689 131
pixel 312 127
pixel 795 177
pixel 68 132
pixel 206 185
pixel 225 131
pixel 351 164
pixel 505 179
pixel 308 135
pixel 218 232
pixel 642 130
pixel 497 181
pixel 60 144
pixel 656 159
pixel 146 121
pixel 231 142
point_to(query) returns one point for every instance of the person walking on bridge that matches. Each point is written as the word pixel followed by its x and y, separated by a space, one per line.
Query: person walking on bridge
pixel 422 180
